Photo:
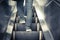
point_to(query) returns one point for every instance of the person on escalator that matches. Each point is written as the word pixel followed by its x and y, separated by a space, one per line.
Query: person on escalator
pixel 21 12
pixel 20 9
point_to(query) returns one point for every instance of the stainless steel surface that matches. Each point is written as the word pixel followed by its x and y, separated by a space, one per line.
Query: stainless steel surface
pixel 27 35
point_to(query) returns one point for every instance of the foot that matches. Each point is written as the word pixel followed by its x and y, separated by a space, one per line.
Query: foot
pixel 28 29
pixel 22 20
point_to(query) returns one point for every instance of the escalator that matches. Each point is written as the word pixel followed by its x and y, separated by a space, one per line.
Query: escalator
pixel 36 20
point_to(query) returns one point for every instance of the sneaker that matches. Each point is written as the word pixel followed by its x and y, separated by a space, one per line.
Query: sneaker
pixel 28 29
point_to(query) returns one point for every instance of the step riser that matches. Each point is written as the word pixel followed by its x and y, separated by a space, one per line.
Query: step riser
pixel 26 35
pixel 21 27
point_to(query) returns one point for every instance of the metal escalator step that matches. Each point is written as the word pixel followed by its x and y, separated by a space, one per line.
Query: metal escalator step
pixel 21 27
pixel 23 20
pixel 22 35
pixel 33 19
pixel 34 27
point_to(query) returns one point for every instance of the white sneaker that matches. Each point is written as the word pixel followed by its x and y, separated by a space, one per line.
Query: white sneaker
pixel 28 30
pixel 22 20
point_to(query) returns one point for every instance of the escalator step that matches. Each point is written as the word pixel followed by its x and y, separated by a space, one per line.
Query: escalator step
pixel 21 27
pixel 19 35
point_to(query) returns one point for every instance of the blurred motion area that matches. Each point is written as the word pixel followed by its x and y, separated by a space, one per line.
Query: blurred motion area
pixel 29 19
